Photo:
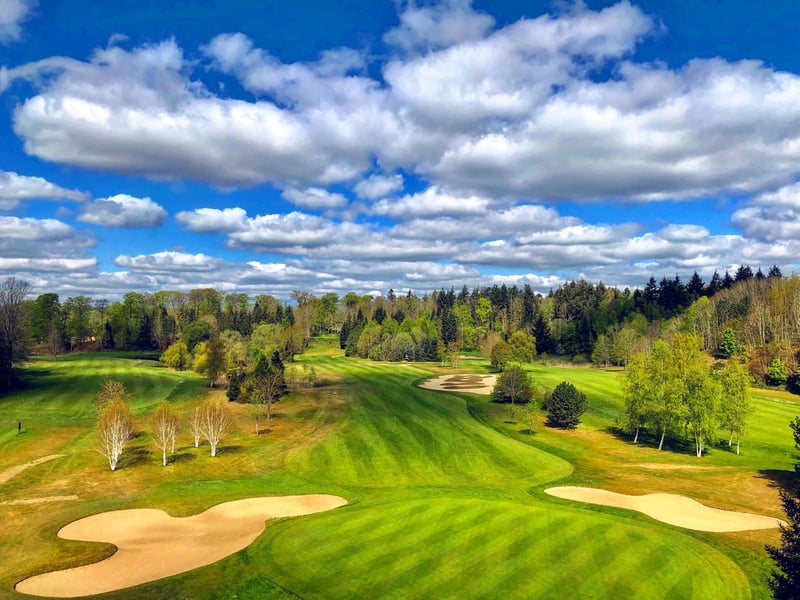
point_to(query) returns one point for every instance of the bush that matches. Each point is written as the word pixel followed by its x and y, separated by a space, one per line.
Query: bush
pixel 565 405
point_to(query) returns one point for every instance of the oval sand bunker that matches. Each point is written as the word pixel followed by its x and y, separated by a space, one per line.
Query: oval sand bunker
pixel 152 545
pixel 670 508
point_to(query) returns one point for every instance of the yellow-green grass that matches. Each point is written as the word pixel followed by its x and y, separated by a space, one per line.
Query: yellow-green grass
pixel 445 494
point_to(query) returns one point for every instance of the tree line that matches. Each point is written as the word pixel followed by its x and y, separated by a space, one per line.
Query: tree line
pixel 746 313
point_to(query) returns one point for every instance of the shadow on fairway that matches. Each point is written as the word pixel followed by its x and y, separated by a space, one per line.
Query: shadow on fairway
pixel 778 478
pixel 135 457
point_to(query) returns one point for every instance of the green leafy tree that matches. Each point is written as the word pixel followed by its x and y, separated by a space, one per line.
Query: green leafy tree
pixel 176 356
pixel 735 403
pixel 729 345
pixel 501 355
pixel 602 352
pixel 209 358
pixel 565 405
pixel 635 383
pixel 530 416
pixel 523 346
pixel 778 372
pixel 513 385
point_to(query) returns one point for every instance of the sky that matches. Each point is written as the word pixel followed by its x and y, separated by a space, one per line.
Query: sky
pixel 363 145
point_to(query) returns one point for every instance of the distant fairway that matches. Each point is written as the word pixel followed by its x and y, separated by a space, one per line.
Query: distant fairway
pixel 445 495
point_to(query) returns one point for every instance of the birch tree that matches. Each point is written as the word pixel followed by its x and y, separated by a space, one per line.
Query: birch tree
pixel 215 422
pixel 196 423
pixel 735 402
pixel 165 430
pixel 116 427
pixel 111 391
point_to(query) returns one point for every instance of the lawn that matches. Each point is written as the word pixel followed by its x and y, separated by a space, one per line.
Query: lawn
pixel 446 495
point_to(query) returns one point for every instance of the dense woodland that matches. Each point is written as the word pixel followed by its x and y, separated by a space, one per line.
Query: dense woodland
pixel 750 314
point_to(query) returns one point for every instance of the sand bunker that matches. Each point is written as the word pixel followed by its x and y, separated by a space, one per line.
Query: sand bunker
pixel 14 471
pixel 152 545
pixel 670 508
pixel 473 384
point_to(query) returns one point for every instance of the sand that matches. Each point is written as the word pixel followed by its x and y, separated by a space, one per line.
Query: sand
pixel 473 384
pixel 14 471
pixel 671 508
pixel 152 545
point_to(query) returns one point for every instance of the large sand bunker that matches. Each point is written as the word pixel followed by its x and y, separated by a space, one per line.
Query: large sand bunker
pixel 473 384
pixel 670 508
pixel 152 545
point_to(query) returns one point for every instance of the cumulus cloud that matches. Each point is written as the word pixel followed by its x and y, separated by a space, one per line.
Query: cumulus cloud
pixel 771 216
pixel 437 26
pixel 491 127
pixel 123 211
pixel 12 14
pixel 376 186
pixel 168 262
pixel 14 188
pixel 213 220
pixel 315 198
pixel 515 111
pixel 432 202
pixel 29 246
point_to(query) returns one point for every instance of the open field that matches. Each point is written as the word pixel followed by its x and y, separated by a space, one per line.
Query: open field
pixel 445 496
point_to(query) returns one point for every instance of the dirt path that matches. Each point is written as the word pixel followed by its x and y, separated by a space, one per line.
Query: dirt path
pixel 473 384
pixel 14 471
pixel 40 500
pixel 670 508
pixel 152 545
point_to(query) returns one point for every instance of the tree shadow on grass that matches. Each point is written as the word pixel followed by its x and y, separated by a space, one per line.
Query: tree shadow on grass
pixel 787 481
pixel 135 457
pixel 229 449
pixel 649 439
pixel 181 457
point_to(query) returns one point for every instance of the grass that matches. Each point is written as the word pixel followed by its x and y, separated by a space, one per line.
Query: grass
pixel 446 495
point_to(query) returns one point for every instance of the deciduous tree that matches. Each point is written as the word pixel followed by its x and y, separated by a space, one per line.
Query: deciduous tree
pixel 523 346
pixel 735 403
pixel 13 331
pixel 165 430
pixel 115 427
pixel 501 354
pixel 215 422
pixel 176 356
pixel 111 391
pixel 513 385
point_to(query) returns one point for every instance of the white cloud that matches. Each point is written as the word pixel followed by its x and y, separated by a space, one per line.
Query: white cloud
pixel 432 202
pixel 14 188
pixel 315 198
pixel 771 216
pixel 378 186
pixel 168 262
pixel 123 210
pixel 12 14
pixel 213 220
pixel 29 246
pixel 441 25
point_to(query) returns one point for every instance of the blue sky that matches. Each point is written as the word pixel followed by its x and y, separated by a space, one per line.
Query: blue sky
pixel 266 147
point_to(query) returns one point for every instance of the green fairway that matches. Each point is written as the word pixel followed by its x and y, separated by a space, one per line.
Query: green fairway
pixel 445 494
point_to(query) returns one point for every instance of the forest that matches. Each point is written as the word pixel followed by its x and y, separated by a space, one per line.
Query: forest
pixel 748 313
